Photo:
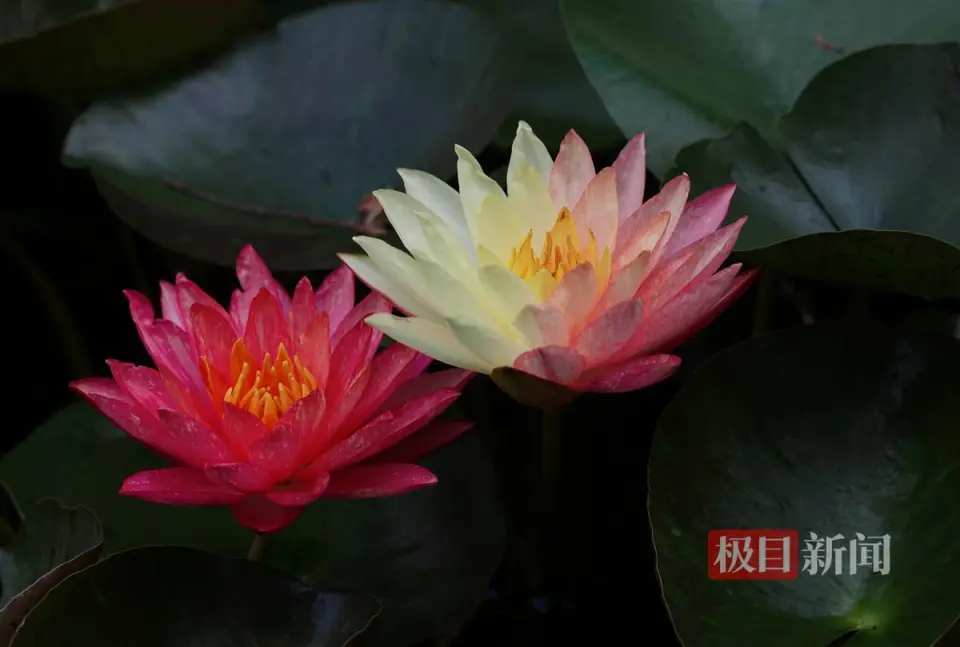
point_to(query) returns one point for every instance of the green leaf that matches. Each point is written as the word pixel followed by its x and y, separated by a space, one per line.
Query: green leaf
pixel 11 518
pixel 59 46
pixel 815 430
pixel 53 543
pixel 428 555
pixel 179 597
pixel 872 151
pixel 683 70
pixel 277 143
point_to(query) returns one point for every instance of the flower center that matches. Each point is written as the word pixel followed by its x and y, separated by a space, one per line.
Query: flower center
pixel 268 391
pixel 561 252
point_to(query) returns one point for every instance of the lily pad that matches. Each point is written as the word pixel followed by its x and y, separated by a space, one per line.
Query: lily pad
pixel 59 46
pixel 53 543
pixel 824 431
pixel 285 136
pixel 428 555
pixel 684 70
pixel 872 151
pixel 179 597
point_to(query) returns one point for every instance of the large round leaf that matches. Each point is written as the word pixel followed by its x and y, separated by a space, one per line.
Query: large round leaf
pixel 179 597
pixel 682 70
pixel 814 430
pixel 873 152
pixel 84 45
pixel 292 130
pixel 427 555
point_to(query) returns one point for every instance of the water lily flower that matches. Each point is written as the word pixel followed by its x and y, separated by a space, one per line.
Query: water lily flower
pixel 277 401
pixel 568 276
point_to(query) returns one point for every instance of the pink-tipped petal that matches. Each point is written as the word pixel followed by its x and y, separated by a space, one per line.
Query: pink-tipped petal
pixel 179 486
pixel 313 348
pixel 631 168
pixel 672 199
pixel 141 310
pixel 453 379
pixel 334 428
pixel 609 332
pixel 188 399
pixel 631 375
pixel 372 304
pixel 378 480
pixel 690 267
pixel 701 217
pixel 265 330
pixel 553 363
pixel 336 295
pixel 195 443
pixel 572 171
pixel 433 436
pixel 390 368
pixel 170 305
pixel 301 493
pixel 241 427
pixel 349 356
pixel 302 310
pixel 214 336
pixel 543 324
pixel 264 516
pixel 638 236
pixel 576 295
pixel 281 450
pixel 387 429
pixel 624 284
pixel 241 476
pixel 189 294
pixel 597 210
pixel 253 274
pixel 143 383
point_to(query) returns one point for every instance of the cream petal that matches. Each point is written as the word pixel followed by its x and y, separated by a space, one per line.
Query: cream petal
pixel 441 199
pixel 572 171
pixel 451 297
pixel 475 187
pixel 527 149
pixel 506 291
pixel 597 210
pixel 385 282
pixel 497 229
pixel 445 246
pixel 543 325
pixel 401 210
pixel 433 339
pixel 487 344
pixel 530 204
pixel 631 167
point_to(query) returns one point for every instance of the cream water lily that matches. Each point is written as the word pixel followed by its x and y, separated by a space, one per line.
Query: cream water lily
pixel 567 276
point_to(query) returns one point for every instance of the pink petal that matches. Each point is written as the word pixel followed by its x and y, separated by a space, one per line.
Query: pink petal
pixel 301 493
pixel 630 375
pixel 349 357
pixel 691 266
pixel 388 428
pixel 186 398
pixel 168 345
pixel 170 305
pixel 575 295
pixel 336 295
pixel 179 486
pixel 390 368
pixel 543 325
pixel 214 336
pixel 241 476
pixel 372 304
pixel 339 410
pixel 264 516
pixel 609 332
pixel 265 330
pixel 253 274
pixel 672 199
pixel 665 328
pixel 701 217
pixel 189 294
pixel 302 310
pixel 631 168
pixel 378 480
pixel 143 383
pixel 572 171
pixel 639 235
pixel 623 284
pixel 193 442
pixel 313 348
pixel 553 363
pixel 453 379
pixel 597 210
pixel 433 436
pixel 280 451
pixel 242 427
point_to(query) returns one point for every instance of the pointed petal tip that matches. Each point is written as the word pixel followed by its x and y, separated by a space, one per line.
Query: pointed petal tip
pixel 523 126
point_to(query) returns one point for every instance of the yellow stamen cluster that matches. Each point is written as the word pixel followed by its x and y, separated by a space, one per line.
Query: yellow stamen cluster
pixel 269 391
pixel 561 250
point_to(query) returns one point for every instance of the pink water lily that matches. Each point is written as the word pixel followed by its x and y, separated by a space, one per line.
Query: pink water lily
pixel 276 401
pixel 568 276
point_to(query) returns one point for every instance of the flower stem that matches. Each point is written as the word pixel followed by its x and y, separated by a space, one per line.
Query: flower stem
pixel 257 546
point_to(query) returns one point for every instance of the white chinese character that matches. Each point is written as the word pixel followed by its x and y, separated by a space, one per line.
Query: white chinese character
pixel 735 555
pixel 872 552
pixel 820 553
pixel 775 554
